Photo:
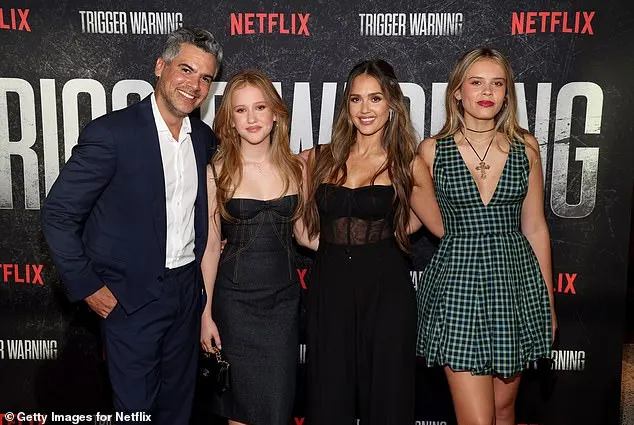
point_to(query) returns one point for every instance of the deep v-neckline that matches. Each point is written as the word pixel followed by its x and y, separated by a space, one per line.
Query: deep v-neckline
pixel 473 181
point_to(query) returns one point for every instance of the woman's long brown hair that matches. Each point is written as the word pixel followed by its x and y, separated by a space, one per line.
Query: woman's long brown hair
pixel 229 156
pixel 398 140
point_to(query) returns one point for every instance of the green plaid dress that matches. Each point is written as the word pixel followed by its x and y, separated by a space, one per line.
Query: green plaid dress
pixel 483 305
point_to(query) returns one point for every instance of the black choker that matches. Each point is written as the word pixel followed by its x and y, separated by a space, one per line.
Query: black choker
pixel 480 131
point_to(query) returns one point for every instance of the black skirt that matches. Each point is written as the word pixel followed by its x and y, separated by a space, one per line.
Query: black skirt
pixel 361 336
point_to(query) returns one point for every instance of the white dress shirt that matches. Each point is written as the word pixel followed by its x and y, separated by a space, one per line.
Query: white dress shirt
pixel 181 185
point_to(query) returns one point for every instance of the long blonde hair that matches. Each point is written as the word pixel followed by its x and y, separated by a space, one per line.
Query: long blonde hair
pixel 398 140
pixel 229 156
pixel 505 120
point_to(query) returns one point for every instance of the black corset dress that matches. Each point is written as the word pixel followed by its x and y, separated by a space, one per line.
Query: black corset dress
pixel 256 309
pixel 361 313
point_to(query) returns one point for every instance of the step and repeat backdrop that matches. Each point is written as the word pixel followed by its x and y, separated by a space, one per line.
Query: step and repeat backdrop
pixel 64 63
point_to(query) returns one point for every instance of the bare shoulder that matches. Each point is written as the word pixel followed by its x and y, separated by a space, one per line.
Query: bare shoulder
pixel 303 157
pixel 418 164
pixel 306 155
pixel 310 155
pixel 532 148
pixel 426 151
pixel 427 147
pixel 423 162
pixel 530 140
pixel 213 171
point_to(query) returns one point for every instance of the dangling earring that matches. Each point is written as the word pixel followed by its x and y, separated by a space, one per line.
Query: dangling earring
pixel 389 117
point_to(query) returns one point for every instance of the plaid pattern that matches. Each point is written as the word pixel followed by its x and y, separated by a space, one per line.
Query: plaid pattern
pixel 483 305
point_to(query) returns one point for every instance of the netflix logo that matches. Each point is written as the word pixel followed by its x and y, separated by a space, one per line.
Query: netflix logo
pixel 22 273
pixel 270 23
pixel 552 22
pixel 302 277
pixel 14 19
pixel 565 283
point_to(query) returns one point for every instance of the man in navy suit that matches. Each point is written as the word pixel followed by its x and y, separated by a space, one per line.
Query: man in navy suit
pixel 126 222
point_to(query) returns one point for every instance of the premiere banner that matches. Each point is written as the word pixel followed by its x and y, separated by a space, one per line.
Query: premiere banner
pixel 66 63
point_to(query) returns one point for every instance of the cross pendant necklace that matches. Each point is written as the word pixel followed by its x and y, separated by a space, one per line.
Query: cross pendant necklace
pixel 482 166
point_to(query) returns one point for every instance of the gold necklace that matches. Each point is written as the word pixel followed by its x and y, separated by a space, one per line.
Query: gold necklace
pixel 257 165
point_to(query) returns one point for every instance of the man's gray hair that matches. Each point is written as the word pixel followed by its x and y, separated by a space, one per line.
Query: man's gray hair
pixel 198 37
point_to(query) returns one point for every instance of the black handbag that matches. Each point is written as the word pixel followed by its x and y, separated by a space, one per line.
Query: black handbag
pixel 215 370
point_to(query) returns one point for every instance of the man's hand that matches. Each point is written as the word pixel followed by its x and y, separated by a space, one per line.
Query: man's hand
pixel 102 302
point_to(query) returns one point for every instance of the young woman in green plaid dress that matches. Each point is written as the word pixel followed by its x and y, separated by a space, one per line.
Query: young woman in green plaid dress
pixel 486 303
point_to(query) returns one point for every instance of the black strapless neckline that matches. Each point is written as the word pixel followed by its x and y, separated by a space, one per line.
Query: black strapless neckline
pixel 251 208
pixel 369 186
pixel 264 200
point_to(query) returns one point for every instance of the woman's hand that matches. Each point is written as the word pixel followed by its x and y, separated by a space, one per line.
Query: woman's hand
pixel 209 336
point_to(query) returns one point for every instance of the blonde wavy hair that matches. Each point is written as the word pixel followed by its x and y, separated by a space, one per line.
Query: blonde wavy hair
pixel 229 156
pixel 505 120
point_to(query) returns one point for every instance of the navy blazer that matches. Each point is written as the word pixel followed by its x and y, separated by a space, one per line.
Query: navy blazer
pixel 105 217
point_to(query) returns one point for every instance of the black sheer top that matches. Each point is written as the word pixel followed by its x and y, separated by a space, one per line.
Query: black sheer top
pixel 359 216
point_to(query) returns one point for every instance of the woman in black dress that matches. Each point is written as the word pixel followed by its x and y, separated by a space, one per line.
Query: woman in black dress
pixel 255 188
pixel 361 303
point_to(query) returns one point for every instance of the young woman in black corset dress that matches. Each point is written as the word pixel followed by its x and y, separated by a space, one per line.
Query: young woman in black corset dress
pixel 361 330
pixel 255 188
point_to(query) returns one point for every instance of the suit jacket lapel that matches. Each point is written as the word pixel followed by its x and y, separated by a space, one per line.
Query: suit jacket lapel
pixel 200 207
pixel 149 135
